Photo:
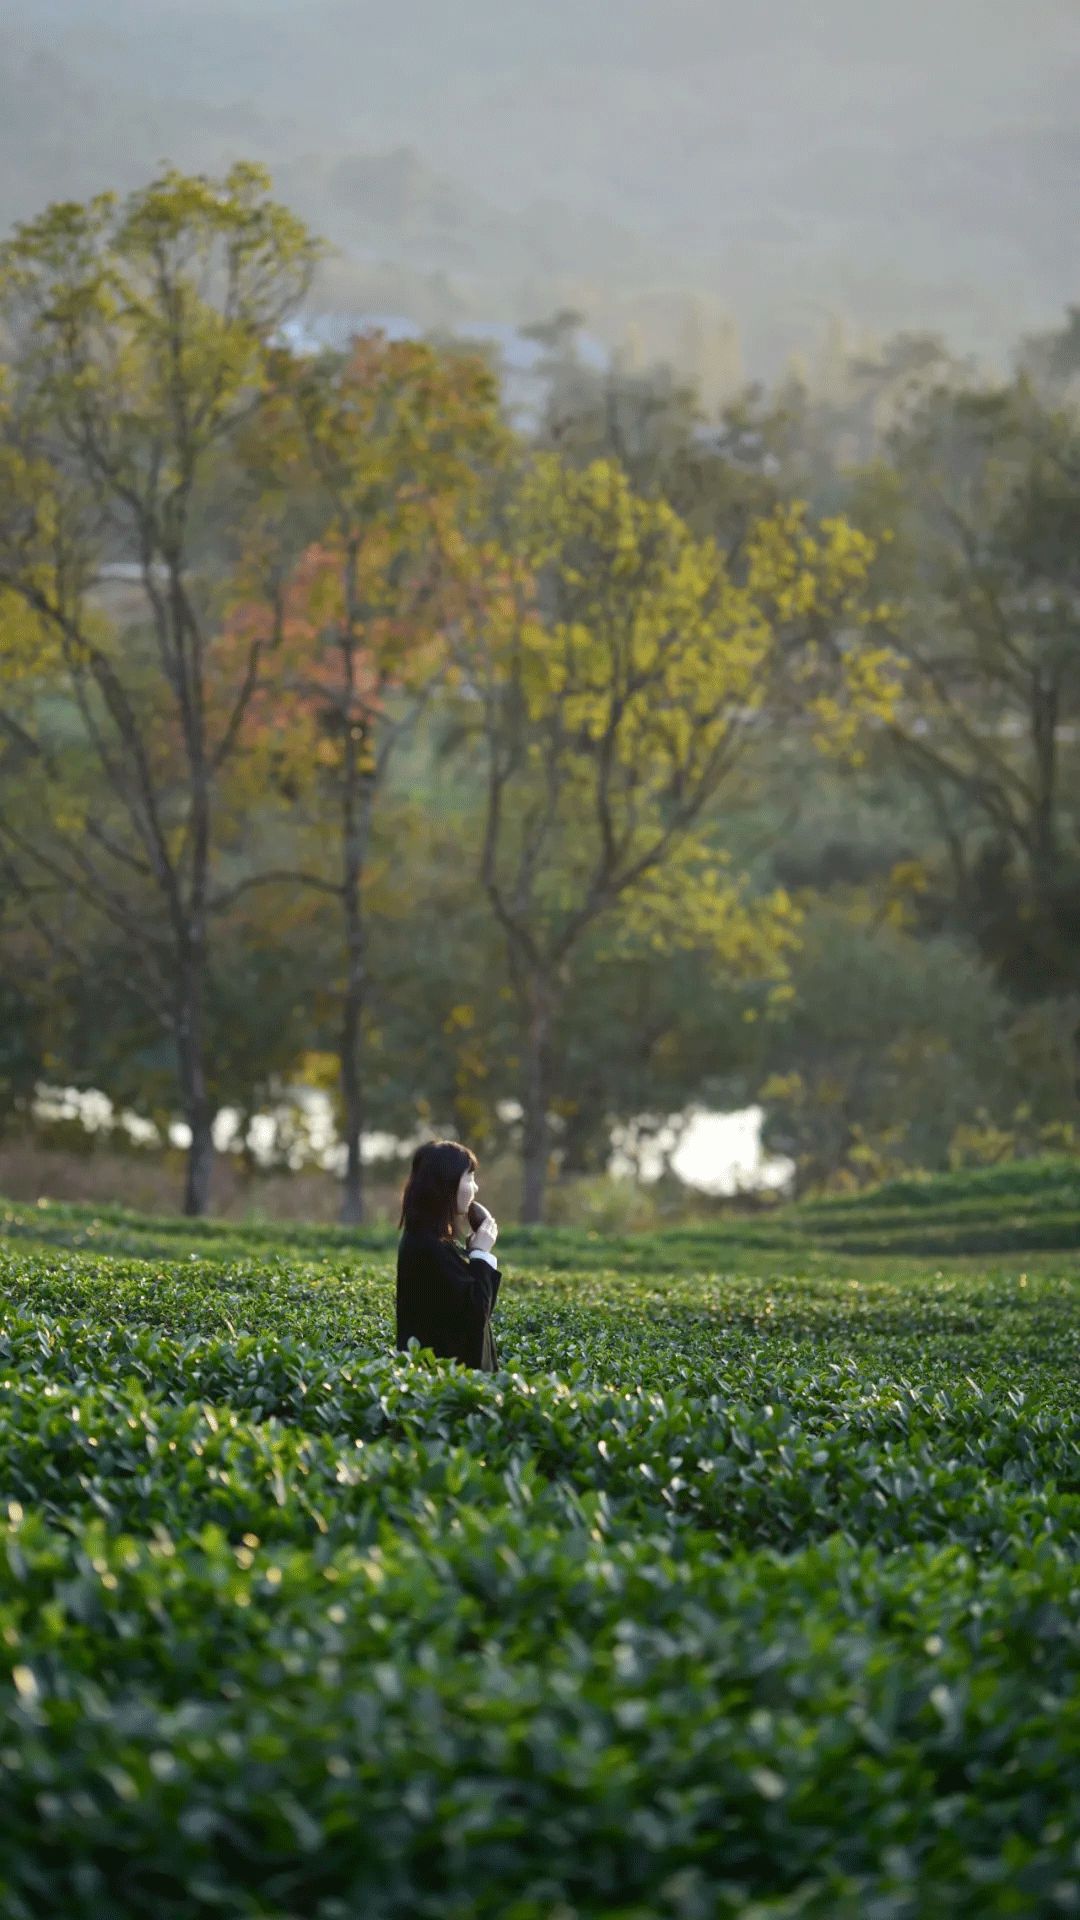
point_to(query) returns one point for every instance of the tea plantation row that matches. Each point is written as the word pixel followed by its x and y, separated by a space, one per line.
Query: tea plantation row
pixel 1019 1206
pixel 747 1587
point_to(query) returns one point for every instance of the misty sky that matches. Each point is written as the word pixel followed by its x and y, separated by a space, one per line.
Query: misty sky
pixel 750 142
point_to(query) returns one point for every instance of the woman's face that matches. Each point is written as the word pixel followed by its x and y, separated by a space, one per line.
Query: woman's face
pixel 466 1193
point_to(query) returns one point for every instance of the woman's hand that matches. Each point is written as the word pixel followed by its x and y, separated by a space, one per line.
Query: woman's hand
pixel 483 1239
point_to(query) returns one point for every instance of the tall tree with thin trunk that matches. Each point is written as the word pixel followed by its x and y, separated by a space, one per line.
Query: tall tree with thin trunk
pixel 383 453
pixel 137 336
pixel 985 586
pixel 622 673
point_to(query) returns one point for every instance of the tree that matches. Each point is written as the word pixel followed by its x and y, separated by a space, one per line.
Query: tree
pixel 25 1035
pixel 986 499
pixel 882 388
pixel 720 474
pixel 138 336
pixel 386 447
pixel 888 1044
pixel 622 671
pixel 440 1036
pixel 1051 361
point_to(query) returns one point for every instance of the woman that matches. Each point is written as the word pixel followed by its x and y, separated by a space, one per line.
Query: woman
pixel 445 1293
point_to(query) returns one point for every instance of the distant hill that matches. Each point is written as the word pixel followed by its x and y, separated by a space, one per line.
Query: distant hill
pixel 495 161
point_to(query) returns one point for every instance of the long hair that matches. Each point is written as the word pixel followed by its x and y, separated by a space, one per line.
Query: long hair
pixel 429 1193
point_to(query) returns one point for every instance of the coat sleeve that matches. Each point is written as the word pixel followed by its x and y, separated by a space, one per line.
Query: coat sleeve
pixel 492 1265
pixel 472 1284
pixel 495 1278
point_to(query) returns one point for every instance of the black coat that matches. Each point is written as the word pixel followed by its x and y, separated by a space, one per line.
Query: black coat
pixel 445 1299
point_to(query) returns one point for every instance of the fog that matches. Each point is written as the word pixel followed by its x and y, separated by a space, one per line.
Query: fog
pixel 493 159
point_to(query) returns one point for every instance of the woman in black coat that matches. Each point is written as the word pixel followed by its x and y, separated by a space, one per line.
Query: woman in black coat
pixel 445 1291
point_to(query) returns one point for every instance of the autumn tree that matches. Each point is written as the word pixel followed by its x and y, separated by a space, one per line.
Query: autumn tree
pixel 385 448
pixel 622 671
pixel 137 335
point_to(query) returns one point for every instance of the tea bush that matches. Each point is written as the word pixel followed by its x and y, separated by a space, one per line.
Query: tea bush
pixel 748 1586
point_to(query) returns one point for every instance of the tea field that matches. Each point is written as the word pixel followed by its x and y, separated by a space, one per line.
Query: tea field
pixel 748 1587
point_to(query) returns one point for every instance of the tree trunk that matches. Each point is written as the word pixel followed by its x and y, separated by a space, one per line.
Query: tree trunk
pixel 534 1101
pixel 579 1142
pixel 1044 847
pixel 196 1099
pixel 357 802
pixel 352 1199
pixel 200 1166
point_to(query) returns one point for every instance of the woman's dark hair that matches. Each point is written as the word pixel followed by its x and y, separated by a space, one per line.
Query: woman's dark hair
pixel 431 1188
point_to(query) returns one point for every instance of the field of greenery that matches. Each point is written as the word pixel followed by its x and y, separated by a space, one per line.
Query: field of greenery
pixel 747 1587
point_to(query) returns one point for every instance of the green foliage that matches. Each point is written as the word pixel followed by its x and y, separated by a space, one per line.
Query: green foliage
pixel 217 781
pixel 980 1210
pixel 22 1046
pixel 985 496
pixel 291 1624
pixel 885 1041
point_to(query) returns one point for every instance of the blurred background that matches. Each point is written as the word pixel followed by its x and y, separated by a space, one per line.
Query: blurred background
pixel 821 254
